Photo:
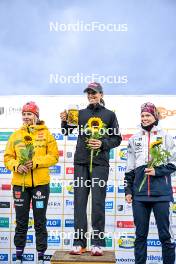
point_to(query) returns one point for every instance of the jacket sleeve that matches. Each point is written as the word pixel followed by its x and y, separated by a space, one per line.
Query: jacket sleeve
pixel 51 157
pixel 10 160
pixel 170 166
pixel 130 169
pixel 114 139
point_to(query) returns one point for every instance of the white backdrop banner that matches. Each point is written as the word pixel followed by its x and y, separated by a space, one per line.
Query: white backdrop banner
pixel 119 221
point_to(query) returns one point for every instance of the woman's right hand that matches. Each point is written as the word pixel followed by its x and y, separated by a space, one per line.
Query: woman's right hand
pixel 22 169
pixel 63 116
pixel 128 198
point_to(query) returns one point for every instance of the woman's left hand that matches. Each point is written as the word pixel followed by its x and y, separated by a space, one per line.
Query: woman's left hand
pixel 29 164
pixel 150 171
pixel 94 143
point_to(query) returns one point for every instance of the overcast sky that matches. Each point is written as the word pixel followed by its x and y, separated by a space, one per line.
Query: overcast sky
pixel 142 57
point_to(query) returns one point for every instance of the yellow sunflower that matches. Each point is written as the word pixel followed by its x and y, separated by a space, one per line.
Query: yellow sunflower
pixel 156 143
pixel 95 124
pixel 28 140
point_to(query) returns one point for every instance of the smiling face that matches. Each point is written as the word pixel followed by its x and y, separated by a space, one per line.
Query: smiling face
pixel 147 119
pixel 29 118
pixel 94 97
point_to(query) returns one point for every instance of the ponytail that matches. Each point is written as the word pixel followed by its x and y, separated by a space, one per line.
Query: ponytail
pixel 102 102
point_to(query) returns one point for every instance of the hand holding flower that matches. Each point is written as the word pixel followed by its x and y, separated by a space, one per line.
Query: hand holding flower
pixel 27 153
pixel 29 164
pixel 95 129
pixel 150 171
pixel 22 169
pixel 158 156
pixel 94 143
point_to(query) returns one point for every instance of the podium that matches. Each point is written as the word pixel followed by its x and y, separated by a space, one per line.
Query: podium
pixel 63 257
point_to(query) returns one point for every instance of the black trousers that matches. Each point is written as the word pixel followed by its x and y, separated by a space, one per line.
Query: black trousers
pixel 97 182
pixel 161 210
pixel 39 196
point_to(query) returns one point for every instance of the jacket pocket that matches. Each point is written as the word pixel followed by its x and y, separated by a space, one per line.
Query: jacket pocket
pixel 139 177
pixel 160 185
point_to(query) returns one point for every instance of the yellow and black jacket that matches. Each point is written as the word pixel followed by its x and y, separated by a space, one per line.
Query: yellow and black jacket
pixel 45 155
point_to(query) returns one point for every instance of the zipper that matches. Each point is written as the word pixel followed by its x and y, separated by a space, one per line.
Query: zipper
pixel 166 180
pixel 148 177
pixel 31 169
pixel 32 178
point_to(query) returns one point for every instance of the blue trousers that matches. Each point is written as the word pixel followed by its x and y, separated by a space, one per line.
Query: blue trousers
pixel 81 193
pixel 141 213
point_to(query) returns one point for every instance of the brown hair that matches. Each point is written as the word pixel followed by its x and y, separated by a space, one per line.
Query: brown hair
pixel 40 122
pixel 102 102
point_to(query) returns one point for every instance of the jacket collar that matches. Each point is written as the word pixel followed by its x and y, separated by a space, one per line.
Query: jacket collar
pixel 33 128
pixel 95 107
pixel 154 130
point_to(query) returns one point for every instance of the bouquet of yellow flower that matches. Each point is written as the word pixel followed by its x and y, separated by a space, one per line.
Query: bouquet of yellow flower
pixel 26 154
pixel 94 129
pixel 158 156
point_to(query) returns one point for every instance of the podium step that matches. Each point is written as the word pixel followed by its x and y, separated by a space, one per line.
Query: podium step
pixel 63 257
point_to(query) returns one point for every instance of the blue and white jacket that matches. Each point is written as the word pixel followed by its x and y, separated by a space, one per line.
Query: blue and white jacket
pixel 158 186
